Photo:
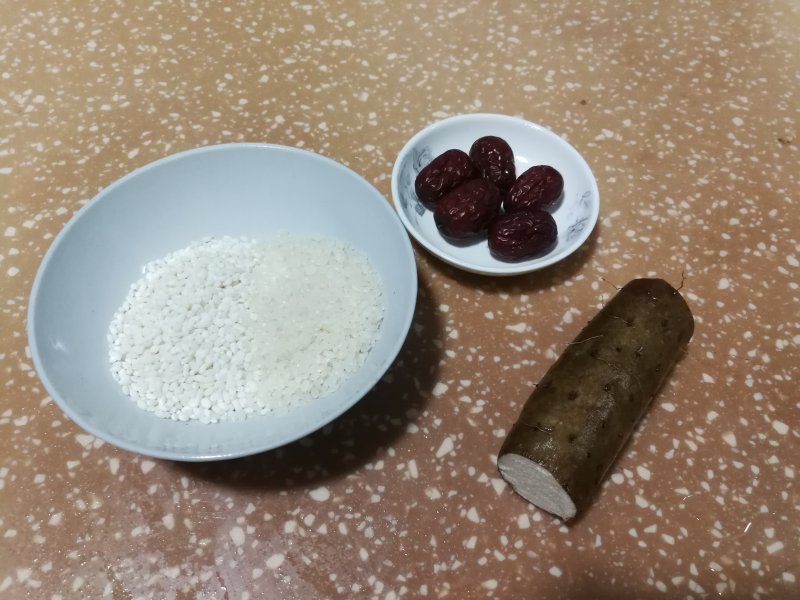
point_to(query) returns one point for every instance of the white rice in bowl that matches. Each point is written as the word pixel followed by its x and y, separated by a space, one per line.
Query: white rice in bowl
pixel 226 327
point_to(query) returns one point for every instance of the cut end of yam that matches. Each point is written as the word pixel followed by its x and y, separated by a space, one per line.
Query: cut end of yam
pixel 536 484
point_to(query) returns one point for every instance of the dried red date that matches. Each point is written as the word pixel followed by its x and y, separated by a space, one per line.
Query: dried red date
pixel 443 174
pixel 494 160
pixel 522 235
pixel 539 187
pixel 467 210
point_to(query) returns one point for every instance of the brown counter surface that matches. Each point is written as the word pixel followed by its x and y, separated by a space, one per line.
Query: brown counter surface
pixel 688 114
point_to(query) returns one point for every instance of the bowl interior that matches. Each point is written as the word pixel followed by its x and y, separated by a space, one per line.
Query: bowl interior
pixel 252 190
pixel 532 144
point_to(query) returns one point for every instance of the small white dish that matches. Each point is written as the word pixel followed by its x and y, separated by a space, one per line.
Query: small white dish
pixel 532 145
pixel 250 190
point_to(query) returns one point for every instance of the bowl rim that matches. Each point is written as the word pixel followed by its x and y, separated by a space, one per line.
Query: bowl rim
pixel 512 268
pixel 208 455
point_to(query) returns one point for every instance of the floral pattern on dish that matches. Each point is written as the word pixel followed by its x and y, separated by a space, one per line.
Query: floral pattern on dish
pixel 412 165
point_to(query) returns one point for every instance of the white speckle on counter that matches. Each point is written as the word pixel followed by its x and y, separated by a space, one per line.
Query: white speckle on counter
pixel 433 493
pixel 489 584
pixel 523 522
pixel 168 521
pixel 643 472
pixel 113 465
pixel 499 485
pixel 85 440
pixel 140 530
pixel 439 389
pixel 696 587
pixel 730 438
pixel 518 327
pixel 23 574
pixel 172 572
pixel 555 571
pixel 320 494
pixel 445 448
pixel 291 526
pixel 472 515
pixel 775 547
pixel 275 561
pixel 707 378
pixel 147 466
pixel 780 427
pixel 237 535
pixel 724 284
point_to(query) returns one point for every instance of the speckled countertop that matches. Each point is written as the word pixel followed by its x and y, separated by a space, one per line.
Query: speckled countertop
pixel 687 112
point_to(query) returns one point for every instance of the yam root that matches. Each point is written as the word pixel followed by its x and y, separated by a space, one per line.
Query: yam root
pixel 589 402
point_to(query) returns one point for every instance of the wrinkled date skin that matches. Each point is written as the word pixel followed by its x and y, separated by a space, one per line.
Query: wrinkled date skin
pixel 494 160
pixel 443 174
pixel 537 188
pixel 522 235
pixel 467 210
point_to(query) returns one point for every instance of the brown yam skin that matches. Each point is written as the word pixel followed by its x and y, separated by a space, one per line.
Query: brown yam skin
pixel 586 407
